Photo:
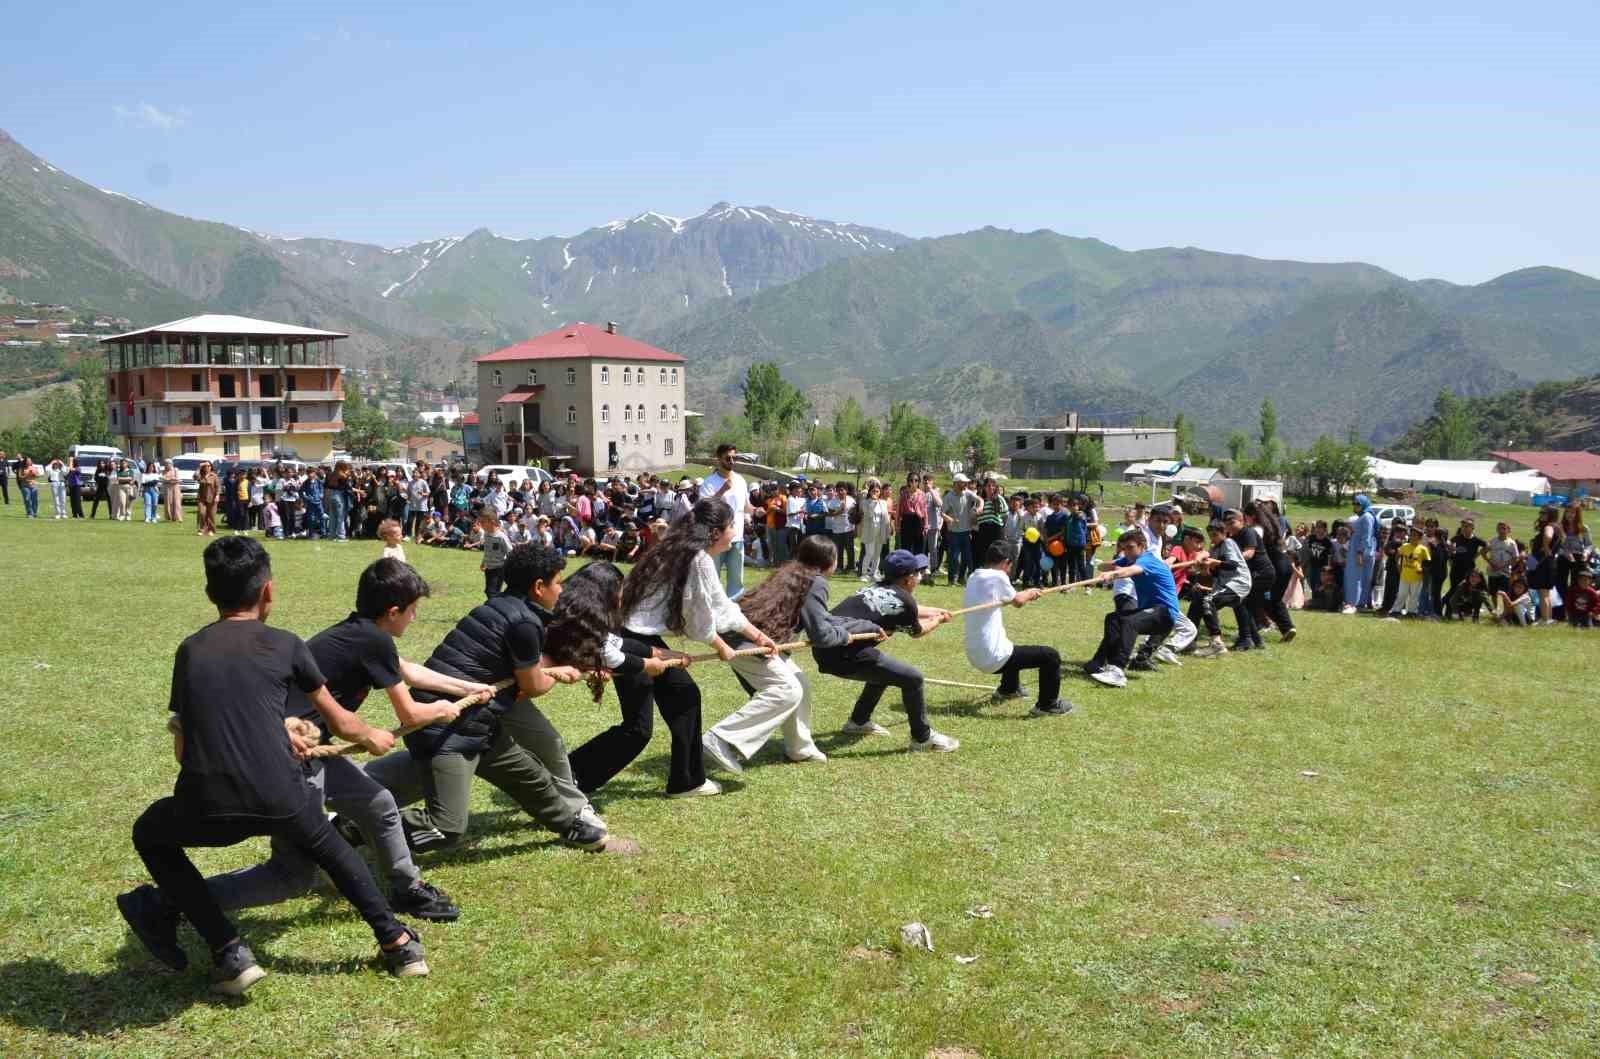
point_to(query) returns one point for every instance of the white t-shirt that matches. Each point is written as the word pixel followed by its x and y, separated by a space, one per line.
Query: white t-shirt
pixel 988 649
pixel 840 522
pixel 737 498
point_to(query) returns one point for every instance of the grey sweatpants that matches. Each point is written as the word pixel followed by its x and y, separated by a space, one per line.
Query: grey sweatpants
pixel 345 787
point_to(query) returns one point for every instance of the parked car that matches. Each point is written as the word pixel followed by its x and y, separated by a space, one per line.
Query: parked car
pixel 187 464
pixel 89 456
pixel 514 476
pixel 1387 513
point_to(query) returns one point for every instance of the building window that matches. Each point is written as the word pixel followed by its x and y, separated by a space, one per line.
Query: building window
pixel 266 442
pixel 142 419
pixel 498 418
pixel 674 376
pixel 113 415
pixel 627 376
pixel 605 413
pixel 572 376
pixel 662 378
pixel 141 386
pixel 230 417
pixel 230 446
pixel 196 416
pixel 112 383
pixel 494 377
pixel 674 413
pixel 269 419
pixel 627 413
pixel 194 383
pixel 666 446
pixel 1022 442
pixel 533 376
pixel 189 445
pixel 294 414
pixel 572 413
pixel 1049 442
pixel 605 375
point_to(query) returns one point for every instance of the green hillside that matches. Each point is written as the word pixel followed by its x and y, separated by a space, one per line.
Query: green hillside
pixel 1551 415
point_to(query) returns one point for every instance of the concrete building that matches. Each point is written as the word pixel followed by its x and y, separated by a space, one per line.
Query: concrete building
pixel 432 449
pixel 587 395
pixel 224 386
pixel 1041 452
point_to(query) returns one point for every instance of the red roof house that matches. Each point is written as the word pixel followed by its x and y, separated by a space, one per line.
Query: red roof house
pixel 585 341
pixel 1567 471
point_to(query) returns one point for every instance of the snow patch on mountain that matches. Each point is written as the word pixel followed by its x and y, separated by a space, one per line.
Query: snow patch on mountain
pixel 433 252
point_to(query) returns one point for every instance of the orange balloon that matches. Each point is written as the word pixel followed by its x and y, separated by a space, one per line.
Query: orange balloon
pixel 1057 549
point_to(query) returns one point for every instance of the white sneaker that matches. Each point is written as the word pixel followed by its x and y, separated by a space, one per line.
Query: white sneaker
pixel 590 816
pixel 937 742
pixel 1111 677
pixel 812 754
pixel 718 750
pixel 1347 609
pixel 1167 655
pixel 705 790
pixel 870 728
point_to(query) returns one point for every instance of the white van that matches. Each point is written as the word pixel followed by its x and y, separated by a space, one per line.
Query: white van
pixel 187 464
pixel 89 456
pixel 512 477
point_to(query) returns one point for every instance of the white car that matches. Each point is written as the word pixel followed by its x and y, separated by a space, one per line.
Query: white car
pixel 187 464
pixel 511 476
pixel 1387 513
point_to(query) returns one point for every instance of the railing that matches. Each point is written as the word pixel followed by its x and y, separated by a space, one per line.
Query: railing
pixel 313 395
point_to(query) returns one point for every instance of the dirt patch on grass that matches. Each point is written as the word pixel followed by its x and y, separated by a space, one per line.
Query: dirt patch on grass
pixel 1445 508
pixel 682 919
pixel 1517 979
pixel 953 1051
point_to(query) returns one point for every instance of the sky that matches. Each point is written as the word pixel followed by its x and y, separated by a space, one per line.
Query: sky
pixel 1456 141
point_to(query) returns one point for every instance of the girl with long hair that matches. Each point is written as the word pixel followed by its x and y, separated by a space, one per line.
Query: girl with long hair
pixel 675 589
pixel 1263 515
pixel 874 529
pixel 795 595
pixel 1548 543
pixel 584 630
pixel 1577 547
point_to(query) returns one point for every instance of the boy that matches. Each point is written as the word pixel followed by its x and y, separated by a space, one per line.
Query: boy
pixel 238 777
pixel 889 606
pixel 392 535
pixel 506 740
pixel 1166 648
pixel 496 546
pixel 1032 575
pixel 1055 532
pixel 1413 557
pixel 1226 559
pixel 356 656
pixel 1155 611
pixel 1583 602
pixel 990 651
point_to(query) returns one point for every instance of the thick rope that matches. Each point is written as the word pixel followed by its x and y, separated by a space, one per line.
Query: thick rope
pixel 344 749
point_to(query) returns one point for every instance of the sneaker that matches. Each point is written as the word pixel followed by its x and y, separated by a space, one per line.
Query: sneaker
pixel 405 961
pixel 937 742
pixel 154 924
pixel 865 580
pixel 1058 708
pixel 1394 618
pixel 234 970
pixel 1347 609
pixel 1009 696
pixel 590 815
pixel 583 835
pixel 1110 676
pixel 425 901
pixel 1167 655
pixel 870 728
pixel 705 790
pixel 1142 665
pixel 1242 645
pixel 1288 636
pixel 1211 650
pixel 719 751
pixel 349 831
pixel 812 754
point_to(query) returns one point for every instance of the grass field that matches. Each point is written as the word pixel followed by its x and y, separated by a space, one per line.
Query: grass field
pixel 1379 840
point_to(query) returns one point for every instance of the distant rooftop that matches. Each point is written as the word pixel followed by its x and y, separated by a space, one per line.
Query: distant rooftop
pixel 1564 466
pixel 581 341
pixel 221 324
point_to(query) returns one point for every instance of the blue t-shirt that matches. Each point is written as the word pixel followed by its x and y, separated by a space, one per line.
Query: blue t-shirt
pixel 816 516
pixel 1155 587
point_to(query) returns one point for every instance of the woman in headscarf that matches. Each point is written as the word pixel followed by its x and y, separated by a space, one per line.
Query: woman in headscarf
pixel 1360 559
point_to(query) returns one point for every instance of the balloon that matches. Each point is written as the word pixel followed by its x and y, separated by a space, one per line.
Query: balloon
pixel 1046 563
pixel 1031 534
pixel 1056 548
pixel 1171 531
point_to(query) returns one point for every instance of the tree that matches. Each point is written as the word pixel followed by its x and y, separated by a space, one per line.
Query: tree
pixel 366 429
pixel 1238 444
pixel 1183 443
pixel 693 434
pixel 773 405
pixel 1267 436
pixel 57 418
pixel 1454 436
pixel 978 447
pixel 92 428
pixel 1085 462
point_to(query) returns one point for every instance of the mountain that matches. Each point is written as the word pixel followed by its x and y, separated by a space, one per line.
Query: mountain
pixel 1564 416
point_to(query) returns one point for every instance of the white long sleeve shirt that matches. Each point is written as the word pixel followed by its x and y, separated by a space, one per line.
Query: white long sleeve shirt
pixel 707 610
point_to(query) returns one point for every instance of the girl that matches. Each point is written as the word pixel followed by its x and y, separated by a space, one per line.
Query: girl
pixel 205 501
pixel 1503 551
pixel 125 490
pixel 258 499
pixel 1576 548
pixel 780 695
pixel 56 474
pixel 582 631
pixel 102 490
pixel 874 530
pixel 150 485
pixel 1547 543
pixel 75 477
pixel 674 588
pixel 172 499
pixel 392 535
pixel 913 510
pixel 1516 603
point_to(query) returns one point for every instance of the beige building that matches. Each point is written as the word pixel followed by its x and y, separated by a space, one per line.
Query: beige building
pixel 598 400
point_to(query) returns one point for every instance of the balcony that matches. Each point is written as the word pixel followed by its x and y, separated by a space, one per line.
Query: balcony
pixel 313 395
pixel 188 396
pixel 180 428
pixel 316 427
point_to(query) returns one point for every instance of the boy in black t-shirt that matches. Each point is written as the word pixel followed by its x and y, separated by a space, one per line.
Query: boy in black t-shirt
pixel 357 656
pixel 889 606
pixel 239 776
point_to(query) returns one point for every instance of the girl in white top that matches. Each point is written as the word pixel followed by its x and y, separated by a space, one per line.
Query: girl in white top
pixel 675 589
pixel 874 529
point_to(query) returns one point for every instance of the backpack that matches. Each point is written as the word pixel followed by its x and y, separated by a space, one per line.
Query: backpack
pixel 1095 539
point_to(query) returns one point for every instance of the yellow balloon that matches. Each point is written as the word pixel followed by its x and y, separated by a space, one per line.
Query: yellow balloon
pixel 1031 534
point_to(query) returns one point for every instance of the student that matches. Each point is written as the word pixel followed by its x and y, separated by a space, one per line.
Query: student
pixel 1516 602
pixel 1583 602
pixel 841 525
pixel 1469 598
pixel 1413 557
pixel 673 589
pixel 1503 551
pixel 874 530
pixel 795 596
pixel 496 547
pixel 988 648
pixel 1264 602
pixel 1066 564
pixel 890 606
pixel 238 777
pixel 393 537
pixel 1155 613
pixel 271 526
pixel 1032 573
pixel 507 740
pixel 1175 550
pixel 1234 587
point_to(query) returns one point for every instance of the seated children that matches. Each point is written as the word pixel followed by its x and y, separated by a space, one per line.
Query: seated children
pixel 1516 602
pixel 272 522
pixel 889 606
pixel 238 777
pixel 1469 598
pixel 1583 602
pixel 988 648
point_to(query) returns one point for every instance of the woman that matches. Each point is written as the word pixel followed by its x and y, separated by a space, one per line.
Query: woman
pixel 990 523
pixel 874 530
pixel 56 475
pixel 258 499
pixel 674 588
pixel 128 486
pixel 1360 554
pixel 336 498
pixel 1270 603
pixel 150 488
pixel 207 489
pixel 913 509
pixel 172 488
pixel 1577 547
pixel 102 490
pixel 27 481
pixel 1546 545
pixel 75 486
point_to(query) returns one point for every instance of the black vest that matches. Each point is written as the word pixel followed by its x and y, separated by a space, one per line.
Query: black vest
pixel 474 650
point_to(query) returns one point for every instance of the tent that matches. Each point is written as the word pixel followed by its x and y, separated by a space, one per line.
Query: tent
pixel 810 461
pixel 1466 479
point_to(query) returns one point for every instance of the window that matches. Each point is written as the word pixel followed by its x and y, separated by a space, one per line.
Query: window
pixel 605 413
pixel 294 414
pixel 636 439
pixel 605 375
pixel 269 419
pixel 141 386
pixel 661 417
pixel 194 383
pixel 674 413
pixel 627 376
pixel 662 378
pixel 494 378
pixel 572 412
pixel 498 418
pixel 666 446
pixel 572 380
pixel 674 376
pixel 230 446
pixel 269 386
pixel 1022 442
pixel 113 415
pixel 196 416
pixel 189 445
pixel 112 383
pixel 1049 442
pixel 142 419
pixel 533 376
pixel 230 417
pixel 289 383
pixel 627 413
pixel 266 442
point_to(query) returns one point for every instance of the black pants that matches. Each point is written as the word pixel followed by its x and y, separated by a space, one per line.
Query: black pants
pixel 1271 599
pixel 286 512
pixel 1391 583
pixel 912 537
pixel 1122 630
pixel 677 696
pixel 164 831
pixel 494 579
pixel 75 495
pixel 100 493
pixel 845 545
pixel 1045 659
pixel 1205 607
pixel 5 489
pixel 878 671
pixel 983 535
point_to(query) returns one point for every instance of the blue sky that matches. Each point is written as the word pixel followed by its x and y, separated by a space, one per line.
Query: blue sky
pixel 1456 141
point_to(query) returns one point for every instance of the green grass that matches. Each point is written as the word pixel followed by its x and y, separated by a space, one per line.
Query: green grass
pixel 1379 840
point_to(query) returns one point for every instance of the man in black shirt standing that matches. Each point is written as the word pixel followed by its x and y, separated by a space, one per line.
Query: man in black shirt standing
pixel 239 776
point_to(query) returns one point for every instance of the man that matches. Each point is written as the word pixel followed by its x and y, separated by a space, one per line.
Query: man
pixel 960 511
pixel 729 486
pixel 935 525
pixel 1155 611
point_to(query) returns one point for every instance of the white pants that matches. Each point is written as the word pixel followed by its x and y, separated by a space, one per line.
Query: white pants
pixel 872 538
pixel 1408 598
pixel 782 699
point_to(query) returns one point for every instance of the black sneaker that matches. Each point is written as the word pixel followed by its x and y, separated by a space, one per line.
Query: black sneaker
pixel 584 835
pixel 425 901
pixel 405 961
pixel 234 969
pixel 1242 645
pixel 349 831
pixel 154 924
pixel 1058 708
pixel 1007 696
pixel 1142 665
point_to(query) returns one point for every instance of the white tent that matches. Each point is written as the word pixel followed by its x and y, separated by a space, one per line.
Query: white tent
pixel 810 461
pixel 1467 479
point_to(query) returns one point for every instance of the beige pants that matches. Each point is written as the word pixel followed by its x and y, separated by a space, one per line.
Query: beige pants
pixel 782 700
pixel 174 502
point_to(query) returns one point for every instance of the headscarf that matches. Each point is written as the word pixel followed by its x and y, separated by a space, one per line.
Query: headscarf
pixel 1363 503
